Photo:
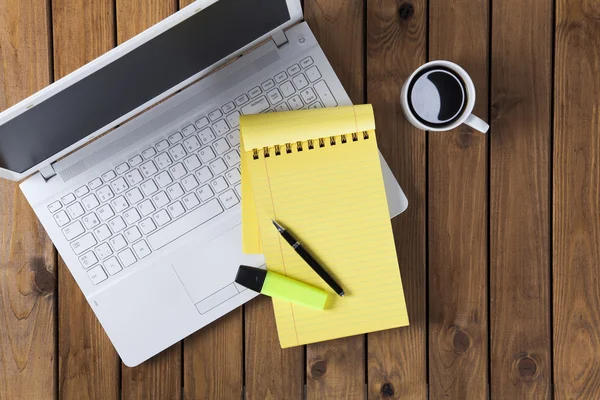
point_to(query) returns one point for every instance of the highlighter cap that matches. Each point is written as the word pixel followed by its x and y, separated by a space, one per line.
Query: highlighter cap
pixel 251 277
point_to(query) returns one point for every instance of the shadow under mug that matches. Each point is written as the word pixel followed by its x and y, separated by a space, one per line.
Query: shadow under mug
pixel 465 117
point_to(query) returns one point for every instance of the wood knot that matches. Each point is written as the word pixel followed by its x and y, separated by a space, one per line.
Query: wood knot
pixel 318 369
pixel 527 368
pixel 44 281
pixel 461 341
pixel 406 11
pixel 387 390
pixel 465 136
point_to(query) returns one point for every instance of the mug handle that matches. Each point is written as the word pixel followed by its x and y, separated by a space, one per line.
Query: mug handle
pixel 477 123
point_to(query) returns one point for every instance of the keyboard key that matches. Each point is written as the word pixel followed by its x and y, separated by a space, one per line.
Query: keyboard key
pixel 134 177
pixel 313 74
pixel 127 258
pixel 88 259
pixel 207 136
pixel 192 162
pixel 243 99
pixel 205 193
pixel 83 244
pixel 204 175
pixel 147 226
pixel 229 107
pixel 102 233
pixel 275 96
pixel 232 158
pixel 234 119
pixel 163 179
pixel 103 251
pixel 141 249
pixel 149 187
pixel 146 208
pixel 112 266
pixel 176 209
pixel 254 92
pixel 306 62
pixel 295 103
pixel 221 127
pixel 149 153
pixel 215 115
pixel 68 199
pixel 118 242
pixel 202 122
pixel 75 210
pixel 90 202
pixel 207 154
pixel 54 207
pixel 177 171
pixel 160 199
pixel 105 212
pixel 188 130
pixel 132 234
pixel 177 152
pixel 91 221
pixel 287 89
pixel 192 144
pixel 162 146
pixel 189 183
pixel 163 160
pixel 122 168
pixel 233 176
pixel 315 105
pixel 282 107
pixel 238 189
pixel 134 196
pixel 162 218
pixel 308 95
pixel 119 185
pixel 149 168
pixel 257 106
pixel 95 184
pixel 325 94
pixel 182 226
pixel 228 199
pixel 190 201
pixel 218 166
pixel 175 138
pixel 109 176
pixel 117 224
pixel 280 77
pixel 73 230
pixel 300 81
pixel 97 275
pixel 119 204
pixel 219 184
pixel 233 138
pixel 82 191
pixel 268 85
pixel 105 193
pixel 293 70
pixel 175 191
pixel 135 160
pixel 221 146
pixel 132 216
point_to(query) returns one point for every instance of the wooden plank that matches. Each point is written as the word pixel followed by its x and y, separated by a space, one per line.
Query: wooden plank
pixel 396 45
pixel 271 372
pixel 89 367
pixel 576 215
pixel 336 369
pixel 458 336
pixel 159 377
pixel 28 365
pixel 519 199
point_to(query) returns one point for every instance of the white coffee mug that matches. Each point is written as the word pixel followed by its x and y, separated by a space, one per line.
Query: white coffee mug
pixel 465 116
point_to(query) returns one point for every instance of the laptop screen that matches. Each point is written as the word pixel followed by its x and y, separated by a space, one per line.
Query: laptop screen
pixel 136 78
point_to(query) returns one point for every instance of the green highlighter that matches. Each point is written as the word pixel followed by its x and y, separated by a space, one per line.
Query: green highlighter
pixel 281 287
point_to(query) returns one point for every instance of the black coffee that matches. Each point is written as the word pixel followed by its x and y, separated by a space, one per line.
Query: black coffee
pixel 437 96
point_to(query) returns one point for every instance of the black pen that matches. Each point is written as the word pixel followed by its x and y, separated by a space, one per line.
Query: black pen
pixel 309 260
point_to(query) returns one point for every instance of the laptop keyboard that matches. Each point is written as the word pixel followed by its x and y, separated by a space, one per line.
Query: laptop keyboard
pixel 183 181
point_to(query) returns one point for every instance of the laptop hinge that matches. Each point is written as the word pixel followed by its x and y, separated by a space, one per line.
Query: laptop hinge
pixel 48 172
pixel 279 37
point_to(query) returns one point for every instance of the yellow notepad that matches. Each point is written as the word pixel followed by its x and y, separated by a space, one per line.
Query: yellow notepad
pixel 318 173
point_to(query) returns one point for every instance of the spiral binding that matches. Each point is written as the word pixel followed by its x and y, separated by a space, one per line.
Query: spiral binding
pixel 310 145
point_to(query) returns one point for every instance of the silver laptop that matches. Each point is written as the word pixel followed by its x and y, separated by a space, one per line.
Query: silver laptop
pixel 147 216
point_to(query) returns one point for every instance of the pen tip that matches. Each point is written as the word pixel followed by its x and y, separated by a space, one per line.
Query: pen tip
pixel 342 294
pixel 279 228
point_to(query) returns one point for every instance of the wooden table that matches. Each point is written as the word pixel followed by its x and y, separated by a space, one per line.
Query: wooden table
pixel 499 249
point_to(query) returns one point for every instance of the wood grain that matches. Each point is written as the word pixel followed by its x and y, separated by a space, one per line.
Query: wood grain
pixel 519 199
pixel 576 209
pixel 89 367
pixel 159 377
pixel 27 258
pixel 458 350
pixel 396 43
pixel 336 369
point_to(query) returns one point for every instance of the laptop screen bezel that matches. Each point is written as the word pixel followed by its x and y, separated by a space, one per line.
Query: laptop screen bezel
pixel 294 9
